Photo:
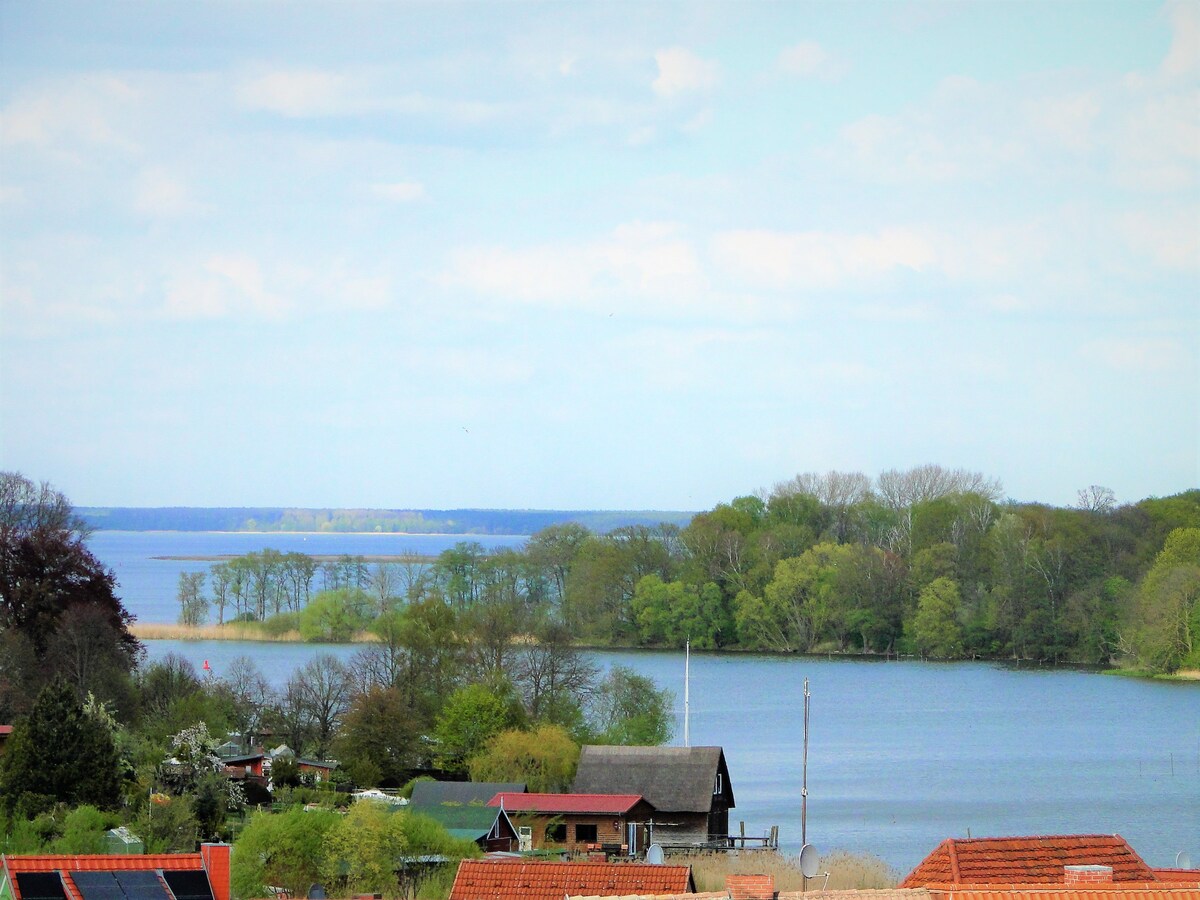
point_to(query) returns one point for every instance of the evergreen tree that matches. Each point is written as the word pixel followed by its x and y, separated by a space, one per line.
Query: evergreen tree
pixel 59 754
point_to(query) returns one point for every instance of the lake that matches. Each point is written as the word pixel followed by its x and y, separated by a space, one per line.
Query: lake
pixel 902 754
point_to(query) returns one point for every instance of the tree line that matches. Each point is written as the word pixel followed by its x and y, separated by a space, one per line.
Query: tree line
pixel 927 561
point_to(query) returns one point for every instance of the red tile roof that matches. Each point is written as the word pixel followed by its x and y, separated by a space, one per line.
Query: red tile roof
pixel 483 879
pixel 603 804
pixel 1125 891
pixel 118 862
pixel 1187 876
pixel 1026 860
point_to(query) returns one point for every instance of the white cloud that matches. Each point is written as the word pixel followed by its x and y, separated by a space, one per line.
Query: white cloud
pixel 1184 55
pixel 399 191
pixel 639 267
pixel 297 93
pixel 814 260
pixel 1170 238
pixel 87 110
pixel 809 59
pixel 681 71
pixel 230 286
pixel 159 194
pixel 1137 355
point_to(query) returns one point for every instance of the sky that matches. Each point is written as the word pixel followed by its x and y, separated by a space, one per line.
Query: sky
pixel 604 255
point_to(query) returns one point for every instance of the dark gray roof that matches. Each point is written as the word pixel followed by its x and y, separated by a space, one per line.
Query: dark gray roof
pixel 433 793
pixel 672 779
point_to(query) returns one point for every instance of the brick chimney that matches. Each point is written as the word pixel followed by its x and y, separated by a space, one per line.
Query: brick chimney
pixel 1084 875
pixel 750 887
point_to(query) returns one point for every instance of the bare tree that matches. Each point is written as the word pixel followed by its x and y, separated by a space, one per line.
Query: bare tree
pixel 27 508
pixel 1097 499
pixel 901 490
pixel 318 696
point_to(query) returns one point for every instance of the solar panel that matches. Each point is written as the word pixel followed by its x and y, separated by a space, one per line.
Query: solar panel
pixel 141 885
pixel 97 886
pixel 189 885
pixel 40 886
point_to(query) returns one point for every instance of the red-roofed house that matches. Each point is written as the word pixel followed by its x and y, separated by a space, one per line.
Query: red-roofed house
pixel 615 823
pixel 5 734
pixel 1027 860
pixel 1126 890
pixel 163 876
pixel 489 879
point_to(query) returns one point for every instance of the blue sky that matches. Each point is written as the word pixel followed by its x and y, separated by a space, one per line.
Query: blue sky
pixel 595 255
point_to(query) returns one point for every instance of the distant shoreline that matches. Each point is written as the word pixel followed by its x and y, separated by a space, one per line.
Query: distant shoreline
pixel 236 631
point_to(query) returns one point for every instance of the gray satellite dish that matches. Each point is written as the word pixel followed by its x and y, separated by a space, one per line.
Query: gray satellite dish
pixel 1183 860
pixel 809 860
pixel 654 854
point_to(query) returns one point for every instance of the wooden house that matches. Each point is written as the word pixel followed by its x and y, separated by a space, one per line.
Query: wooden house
pixel 578 823
pixel 488 826
pixel 688 787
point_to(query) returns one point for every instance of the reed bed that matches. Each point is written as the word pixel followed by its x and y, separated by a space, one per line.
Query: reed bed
pixel 235 631
pixel 847 871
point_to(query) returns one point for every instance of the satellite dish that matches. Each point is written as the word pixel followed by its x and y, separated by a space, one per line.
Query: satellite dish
pixel 1183 860
pixel 316 892
pixel 654 854
pixel 809 860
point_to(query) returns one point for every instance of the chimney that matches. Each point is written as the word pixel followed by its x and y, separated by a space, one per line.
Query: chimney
pixel 216 864
pixel 750 887
pixel 1084 875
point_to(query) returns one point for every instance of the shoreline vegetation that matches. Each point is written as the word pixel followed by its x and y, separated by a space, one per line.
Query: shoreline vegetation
pixel 928 563
pixel 250 632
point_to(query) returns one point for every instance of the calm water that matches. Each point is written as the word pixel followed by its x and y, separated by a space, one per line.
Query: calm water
pixel 902 754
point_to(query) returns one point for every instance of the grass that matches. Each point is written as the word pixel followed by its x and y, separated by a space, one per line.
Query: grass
pixel 847 871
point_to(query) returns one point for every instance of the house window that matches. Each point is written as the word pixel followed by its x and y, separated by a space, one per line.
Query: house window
pixel 585 834
pixel 556 833
pixel 717 784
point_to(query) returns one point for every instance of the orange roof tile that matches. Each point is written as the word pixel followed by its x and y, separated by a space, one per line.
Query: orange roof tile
pixel 1186 876
pixel 117 862
pixel 1026 860
pixel 489 879
pixel 1151 890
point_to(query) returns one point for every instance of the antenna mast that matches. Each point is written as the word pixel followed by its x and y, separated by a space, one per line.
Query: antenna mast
pixel 804 776
pixel 687 702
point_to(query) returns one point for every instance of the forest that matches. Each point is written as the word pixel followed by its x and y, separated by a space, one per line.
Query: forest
pixel 928 561
pixel 408 521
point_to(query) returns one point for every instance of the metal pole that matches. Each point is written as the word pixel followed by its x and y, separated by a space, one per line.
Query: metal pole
pixel 687 708
pixel 804 776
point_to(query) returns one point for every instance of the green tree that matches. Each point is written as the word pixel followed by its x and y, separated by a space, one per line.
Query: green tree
pixel 545 759
pixel 283 850
pixel 935 628
pixel 59 754
pixel 628 709
pixel 83 831
pixel 672 613
pixel 1164 630
pixel 472 716
pixel 193 605
pixel 377 742
pixel 336 615
pixel 365 851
